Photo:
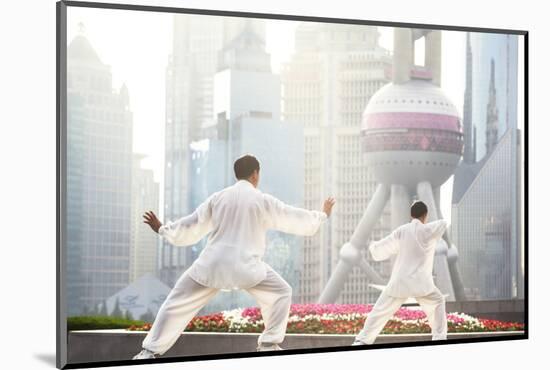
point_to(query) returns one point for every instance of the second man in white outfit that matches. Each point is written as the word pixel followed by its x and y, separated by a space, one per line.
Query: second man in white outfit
pixel 413 246
pixel 236 219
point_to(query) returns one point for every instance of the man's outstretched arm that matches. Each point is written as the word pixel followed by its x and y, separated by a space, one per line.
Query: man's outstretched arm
pixel 294 220
pixel 431 232
pixel 386 247
pixel 187 230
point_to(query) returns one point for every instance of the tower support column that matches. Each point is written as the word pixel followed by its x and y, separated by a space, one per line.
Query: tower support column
pixel 350 253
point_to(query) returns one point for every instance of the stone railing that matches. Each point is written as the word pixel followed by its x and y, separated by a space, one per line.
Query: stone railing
pixel 116 345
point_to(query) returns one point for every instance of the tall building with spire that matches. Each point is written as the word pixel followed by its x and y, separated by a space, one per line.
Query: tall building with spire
pixel 99 166
pixel 492 113
pixel 330 78
pixel 494 58
pixel 190 74
pixel 469 130
pixel 486 201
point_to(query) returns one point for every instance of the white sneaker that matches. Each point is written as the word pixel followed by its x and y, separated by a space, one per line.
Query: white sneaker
pixel 357 342
pixel 144 355
pixel 268 347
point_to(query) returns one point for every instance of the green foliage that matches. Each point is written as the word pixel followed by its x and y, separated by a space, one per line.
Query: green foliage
pixel 99 322
pixel 128 315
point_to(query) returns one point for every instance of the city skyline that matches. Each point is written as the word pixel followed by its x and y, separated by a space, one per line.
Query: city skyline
pixel 198 111
pixel 100 25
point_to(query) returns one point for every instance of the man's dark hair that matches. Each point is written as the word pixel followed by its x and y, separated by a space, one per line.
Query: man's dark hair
pixel 245 166
pixel 419 209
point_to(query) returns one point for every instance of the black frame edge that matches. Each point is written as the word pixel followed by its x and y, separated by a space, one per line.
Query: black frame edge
pixel 61 142
pixel 526 180
pixel 288 17
pixel 301 351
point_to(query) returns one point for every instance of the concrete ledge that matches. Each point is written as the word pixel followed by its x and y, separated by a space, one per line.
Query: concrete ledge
pixel 116 345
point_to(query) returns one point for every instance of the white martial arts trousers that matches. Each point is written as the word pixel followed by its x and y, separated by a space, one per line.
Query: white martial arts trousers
pixel 186 299
pixel 432 304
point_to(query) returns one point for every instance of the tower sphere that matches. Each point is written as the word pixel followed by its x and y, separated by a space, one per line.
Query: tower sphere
pixel 410 133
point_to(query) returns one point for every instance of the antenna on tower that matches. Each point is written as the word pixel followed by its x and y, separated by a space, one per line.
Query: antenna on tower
pixel 81 28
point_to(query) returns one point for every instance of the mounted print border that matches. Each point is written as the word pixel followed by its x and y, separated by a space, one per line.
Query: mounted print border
pixel 79 348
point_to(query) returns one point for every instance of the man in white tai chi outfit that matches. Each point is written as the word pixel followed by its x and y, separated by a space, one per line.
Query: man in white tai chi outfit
pixel 237 219
pixel 413 246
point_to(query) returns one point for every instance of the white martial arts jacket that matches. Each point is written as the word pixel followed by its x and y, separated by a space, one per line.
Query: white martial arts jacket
pixel 237 219
pixel 414 246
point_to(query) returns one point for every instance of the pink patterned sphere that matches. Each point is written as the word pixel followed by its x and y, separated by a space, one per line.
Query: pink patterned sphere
pixel 411 133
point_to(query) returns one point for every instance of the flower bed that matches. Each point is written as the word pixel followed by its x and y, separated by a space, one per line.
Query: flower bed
pixel 337 319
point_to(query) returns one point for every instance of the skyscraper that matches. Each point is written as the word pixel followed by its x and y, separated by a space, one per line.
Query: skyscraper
pixel 98 179
pixel 326 85
pixel 486 225
pixel 144 243
pixel 468 128
pixel 486 210
pixel 189 111
pixel 491 129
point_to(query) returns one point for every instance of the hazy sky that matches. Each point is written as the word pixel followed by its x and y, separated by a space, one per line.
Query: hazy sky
pixel 136 45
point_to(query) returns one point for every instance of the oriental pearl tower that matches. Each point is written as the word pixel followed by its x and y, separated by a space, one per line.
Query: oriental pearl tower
pixel 412 140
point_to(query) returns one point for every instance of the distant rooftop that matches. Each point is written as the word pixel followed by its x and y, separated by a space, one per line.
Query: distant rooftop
pixel 81 49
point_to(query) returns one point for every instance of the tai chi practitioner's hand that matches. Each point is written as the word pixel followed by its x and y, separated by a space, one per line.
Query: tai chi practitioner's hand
pixel 151 219
pixel 327 206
